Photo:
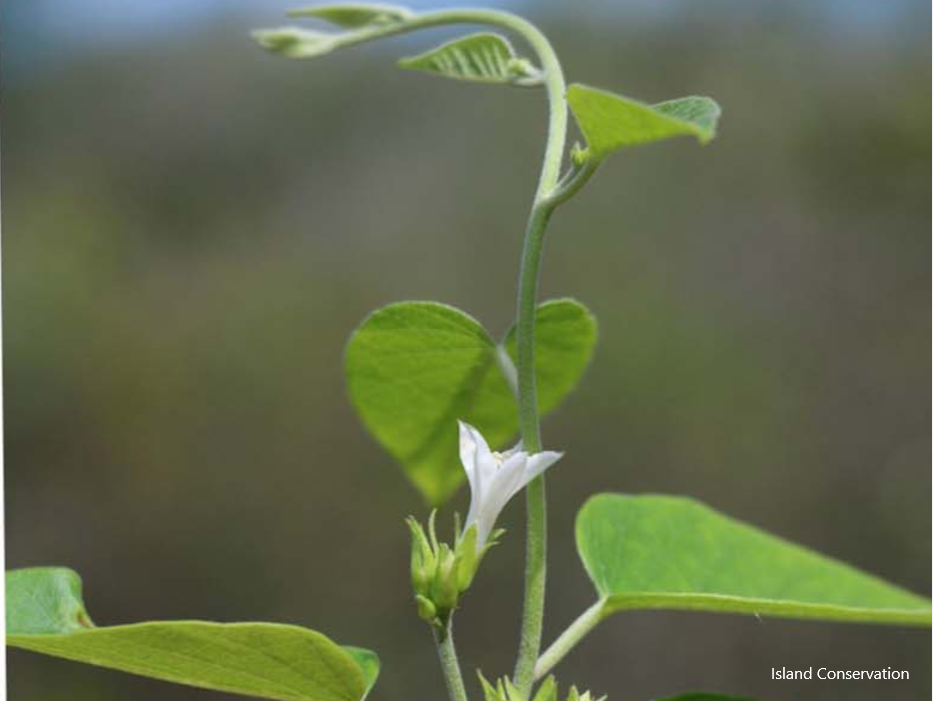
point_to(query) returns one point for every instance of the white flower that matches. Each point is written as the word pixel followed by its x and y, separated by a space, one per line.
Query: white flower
pixel 495 477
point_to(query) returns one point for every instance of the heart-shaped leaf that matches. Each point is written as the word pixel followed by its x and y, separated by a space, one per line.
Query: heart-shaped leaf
pixel 645 552
pixel 354 15
pixel 610 122
pixel 415 368
pixel 483 58
pixel 45 613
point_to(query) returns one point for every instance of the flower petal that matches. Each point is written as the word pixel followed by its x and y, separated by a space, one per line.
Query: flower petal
pixel 487 463
pixel 511 476
pixel 482 455
pixel 495 479
pixel 468 452
pixel 481 468
pixel 507 481
pixel 539 462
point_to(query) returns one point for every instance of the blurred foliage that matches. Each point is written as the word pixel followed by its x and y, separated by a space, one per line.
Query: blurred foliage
pixel 193 229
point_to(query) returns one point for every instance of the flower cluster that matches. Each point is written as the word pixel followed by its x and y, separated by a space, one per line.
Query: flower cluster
pixel 439 572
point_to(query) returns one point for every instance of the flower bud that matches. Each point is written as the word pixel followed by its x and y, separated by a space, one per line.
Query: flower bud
pixel 579 155
pixel 446 586
pixel 423 561
pixel 426 608
pixel 439 573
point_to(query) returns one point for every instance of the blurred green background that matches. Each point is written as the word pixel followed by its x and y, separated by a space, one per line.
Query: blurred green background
pixel 192 229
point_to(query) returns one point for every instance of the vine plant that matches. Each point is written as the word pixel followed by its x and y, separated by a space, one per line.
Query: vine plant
pixel 414 369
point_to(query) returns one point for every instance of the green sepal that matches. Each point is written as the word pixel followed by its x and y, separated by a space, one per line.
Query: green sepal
pixel 512 692
pixel 505 690
pixel 468 558
pixel 490 692
pixel 575 695
pixel 432 530
pixel 547 691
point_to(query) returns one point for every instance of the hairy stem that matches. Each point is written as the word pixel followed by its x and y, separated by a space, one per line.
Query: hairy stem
pixel 536 505
pixel 542 207
pixel 570 637
pixel 444 639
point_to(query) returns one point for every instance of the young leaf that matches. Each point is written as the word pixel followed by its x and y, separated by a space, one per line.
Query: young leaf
pixel 354 15
pixel 645 552
pixel 414 368
pixel 610 122
pixel 292 42
pixel 483 58
pixel 46 614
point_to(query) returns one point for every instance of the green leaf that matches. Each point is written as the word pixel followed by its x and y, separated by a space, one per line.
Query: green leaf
pixel 651 552
pixel 483 58
pixel 414 368
pixel 292 42
pixel 354 15
pixel 610 122
pixel 44 601
pixel 45 613
pixel 565 336
pixel 368 662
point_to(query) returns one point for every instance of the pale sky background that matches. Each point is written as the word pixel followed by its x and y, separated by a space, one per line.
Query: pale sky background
pixel 37 33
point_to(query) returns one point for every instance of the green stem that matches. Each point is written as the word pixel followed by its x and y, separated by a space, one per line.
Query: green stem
pixel 536 505
pixel 572 183
pixel 570 637
pixel 535 497
pixel 444 639
pixel 542 207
